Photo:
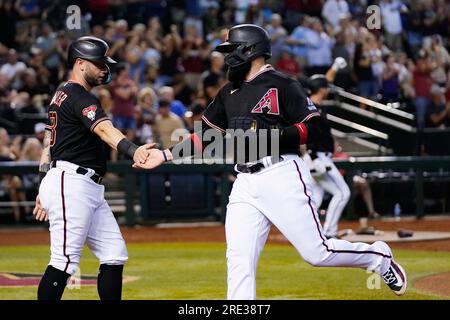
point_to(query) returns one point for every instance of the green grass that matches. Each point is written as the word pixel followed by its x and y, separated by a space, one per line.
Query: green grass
pixel 198 271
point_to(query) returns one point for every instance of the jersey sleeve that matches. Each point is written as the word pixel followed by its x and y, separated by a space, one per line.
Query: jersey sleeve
pixel 215 115
pixel 298 106
pixel 89 110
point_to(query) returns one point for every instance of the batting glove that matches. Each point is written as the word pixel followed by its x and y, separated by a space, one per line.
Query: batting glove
pixel 339 64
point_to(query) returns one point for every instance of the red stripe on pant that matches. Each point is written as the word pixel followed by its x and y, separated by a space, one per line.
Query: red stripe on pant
pixel 324 243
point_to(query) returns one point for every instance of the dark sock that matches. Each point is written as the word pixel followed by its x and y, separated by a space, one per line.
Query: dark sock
pixel 109 282
pixel 52 284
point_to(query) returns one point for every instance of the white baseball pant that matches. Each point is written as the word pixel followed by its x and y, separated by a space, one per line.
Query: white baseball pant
pixel 332 182
pixel 78 214
pixel 281 195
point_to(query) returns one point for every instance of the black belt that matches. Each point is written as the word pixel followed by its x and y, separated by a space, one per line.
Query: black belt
pixel 327 153
pixel 253 168
pixel 81 170
pixel 245 168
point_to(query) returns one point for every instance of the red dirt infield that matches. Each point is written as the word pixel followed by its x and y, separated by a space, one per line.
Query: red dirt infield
pixel 141 234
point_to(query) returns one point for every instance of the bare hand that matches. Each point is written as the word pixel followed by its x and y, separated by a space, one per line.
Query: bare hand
pixel 142 153
pixel 155 159
pixel 39 212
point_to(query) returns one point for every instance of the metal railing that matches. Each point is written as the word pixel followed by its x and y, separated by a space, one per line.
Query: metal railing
pixel 372 115
pixel 354 138
pixel 341 92
pixel 418 164
pixel 397 124
pixel 358 127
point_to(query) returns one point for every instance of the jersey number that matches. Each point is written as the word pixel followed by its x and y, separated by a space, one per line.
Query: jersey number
pixel 269 103
pixel 53 116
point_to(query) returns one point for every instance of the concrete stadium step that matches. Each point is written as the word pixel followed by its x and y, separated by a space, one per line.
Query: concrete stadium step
pixel 354 149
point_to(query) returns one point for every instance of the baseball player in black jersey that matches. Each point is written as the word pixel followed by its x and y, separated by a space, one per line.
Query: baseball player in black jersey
pixel 272 190
pixel 320 153
pixel 73 163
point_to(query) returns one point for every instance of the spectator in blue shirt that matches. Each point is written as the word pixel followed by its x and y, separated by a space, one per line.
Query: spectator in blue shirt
pixel 319 48
pixel 166 93
pixel 277 35
pixel 297 41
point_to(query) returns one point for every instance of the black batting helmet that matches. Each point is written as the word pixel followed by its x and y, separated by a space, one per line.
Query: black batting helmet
pixel 245 42
pixel 318 81
pixel 92 49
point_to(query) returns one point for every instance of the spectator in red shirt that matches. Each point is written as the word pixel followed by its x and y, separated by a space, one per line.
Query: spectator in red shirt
pixel 422 85
pixel 124 93
pixel 288 64
pixel 194 53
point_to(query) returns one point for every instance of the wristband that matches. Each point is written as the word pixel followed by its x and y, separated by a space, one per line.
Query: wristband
pixel 302 132
pixel 127 147
pixel 164 155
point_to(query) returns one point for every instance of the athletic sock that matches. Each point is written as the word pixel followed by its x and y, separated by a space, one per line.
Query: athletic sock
pixel 52 284
pixel 109 282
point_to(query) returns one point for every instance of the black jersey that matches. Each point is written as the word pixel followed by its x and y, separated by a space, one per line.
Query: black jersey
pixel 269 100
pixel 72 116
pixel 325 143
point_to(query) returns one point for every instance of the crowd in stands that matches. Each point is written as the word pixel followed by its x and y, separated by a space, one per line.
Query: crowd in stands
pixel 169 72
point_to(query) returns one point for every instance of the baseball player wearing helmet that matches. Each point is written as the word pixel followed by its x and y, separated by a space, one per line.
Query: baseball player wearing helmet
pixel 73 163
pixel 327 176
pixel 273 191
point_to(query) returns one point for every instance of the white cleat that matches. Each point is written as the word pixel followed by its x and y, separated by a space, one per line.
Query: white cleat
pixel 395 278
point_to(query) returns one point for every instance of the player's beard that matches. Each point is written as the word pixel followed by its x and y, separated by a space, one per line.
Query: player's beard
pixel 237 75
pixel 92 80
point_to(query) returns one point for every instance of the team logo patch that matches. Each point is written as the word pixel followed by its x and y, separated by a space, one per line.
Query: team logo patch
pixel 90 112
pixel 268 103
